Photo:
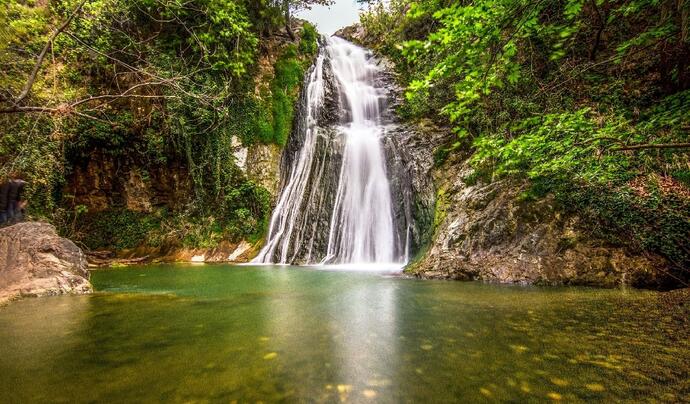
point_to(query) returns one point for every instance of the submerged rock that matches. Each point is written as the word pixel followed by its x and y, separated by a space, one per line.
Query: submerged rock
pixel 35 261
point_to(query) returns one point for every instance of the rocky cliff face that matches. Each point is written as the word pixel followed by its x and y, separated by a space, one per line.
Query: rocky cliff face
pixel 103 182
pixel 486 232
pixel 263 166
pixel 356 34
pixel 409 149
pixel 35 261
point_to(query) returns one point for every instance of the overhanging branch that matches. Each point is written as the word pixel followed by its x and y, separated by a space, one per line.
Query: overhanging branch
pixel 39 60
pixel 653 146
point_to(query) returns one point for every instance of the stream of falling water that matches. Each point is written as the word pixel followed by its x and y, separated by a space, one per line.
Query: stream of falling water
pixel 358 211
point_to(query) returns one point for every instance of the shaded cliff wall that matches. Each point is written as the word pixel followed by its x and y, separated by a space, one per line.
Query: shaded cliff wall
pixel 104 182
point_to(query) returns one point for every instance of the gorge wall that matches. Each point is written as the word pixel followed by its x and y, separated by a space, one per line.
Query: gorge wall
pixel 354 184
pixel 103 182
pixel 486 231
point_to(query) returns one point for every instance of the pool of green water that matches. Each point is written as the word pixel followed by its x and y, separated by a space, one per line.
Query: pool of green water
pixel 221 333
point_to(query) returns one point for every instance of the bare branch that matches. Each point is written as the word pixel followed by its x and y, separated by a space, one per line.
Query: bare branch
pixel 19 109
pixel 653 146
pixel 126 93
pixel 597 138
pixel 42 55
pixel 172 82
pixel 69 108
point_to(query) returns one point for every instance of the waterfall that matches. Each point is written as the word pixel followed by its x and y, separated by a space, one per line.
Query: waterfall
pixel 336 204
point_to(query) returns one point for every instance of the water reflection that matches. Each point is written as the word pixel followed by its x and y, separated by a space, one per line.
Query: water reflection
pixel 221 333
pixel 368 345
pixel 341 343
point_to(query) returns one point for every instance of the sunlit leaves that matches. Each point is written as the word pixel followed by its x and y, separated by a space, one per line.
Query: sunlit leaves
pixel 474 47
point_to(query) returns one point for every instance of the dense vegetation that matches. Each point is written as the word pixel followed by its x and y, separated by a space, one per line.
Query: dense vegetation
pixel 588 100
pixel 155 84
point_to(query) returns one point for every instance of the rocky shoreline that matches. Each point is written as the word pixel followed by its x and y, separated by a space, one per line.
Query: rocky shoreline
pixel 225 252
pixel 507 247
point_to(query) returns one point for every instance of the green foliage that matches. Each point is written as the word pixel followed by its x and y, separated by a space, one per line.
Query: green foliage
pixel 276 114
pixel 36 154
pixel 567 146
pixel 474 49
pixel 647 217
pixel 289 73
pixel 308 44
pixel 242 215
pixel 561 154
pixel 248 209
pixel 119 229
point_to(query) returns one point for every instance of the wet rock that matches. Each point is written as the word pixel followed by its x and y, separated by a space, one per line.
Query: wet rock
pixel 241 250
pixel 35 261
pixel 354 33
pixel 329 114
pixel 410 161
pixel 409 149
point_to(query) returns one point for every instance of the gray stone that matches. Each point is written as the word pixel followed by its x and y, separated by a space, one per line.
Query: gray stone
pixel 263 166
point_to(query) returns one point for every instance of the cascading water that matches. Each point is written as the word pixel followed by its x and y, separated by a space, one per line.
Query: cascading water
pixel 336 206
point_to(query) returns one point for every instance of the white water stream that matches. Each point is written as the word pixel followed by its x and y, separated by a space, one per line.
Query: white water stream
pixel 361 229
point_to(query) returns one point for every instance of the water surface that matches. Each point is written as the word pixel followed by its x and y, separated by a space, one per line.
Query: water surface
pixel 218 333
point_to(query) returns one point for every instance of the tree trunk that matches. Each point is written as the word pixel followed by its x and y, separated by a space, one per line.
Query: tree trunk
pixel 288 20
pixel 601 22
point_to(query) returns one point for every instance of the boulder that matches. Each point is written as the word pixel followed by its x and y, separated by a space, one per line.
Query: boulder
pixel 356 34
pixel 35 261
